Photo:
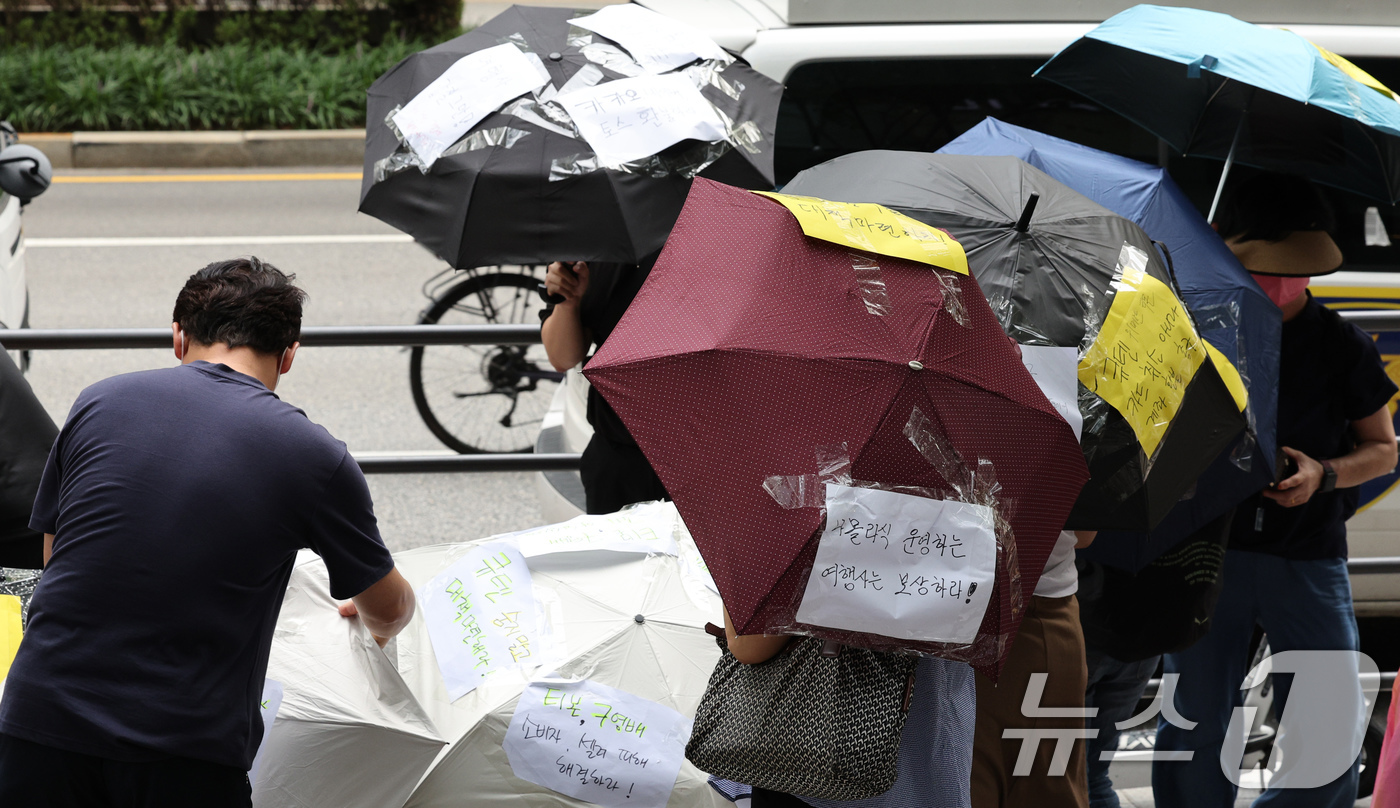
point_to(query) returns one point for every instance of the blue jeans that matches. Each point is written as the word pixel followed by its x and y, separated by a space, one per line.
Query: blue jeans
pixel 1301 605
pixel 1115 687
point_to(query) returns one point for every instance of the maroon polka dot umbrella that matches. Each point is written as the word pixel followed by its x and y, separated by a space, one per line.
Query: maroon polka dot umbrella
pixel 755 356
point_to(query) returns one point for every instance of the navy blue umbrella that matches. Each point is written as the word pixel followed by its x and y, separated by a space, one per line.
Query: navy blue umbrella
pixel 1230 310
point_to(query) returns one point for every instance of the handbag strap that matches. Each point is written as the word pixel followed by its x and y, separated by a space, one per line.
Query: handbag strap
pixel 715 631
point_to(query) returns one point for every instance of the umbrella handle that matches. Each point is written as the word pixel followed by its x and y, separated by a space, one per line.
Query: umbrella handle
pixel 548 298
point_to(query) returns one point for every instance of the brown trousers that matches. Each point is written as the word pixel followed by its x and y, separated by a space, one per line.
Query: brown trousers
pixel 1050 641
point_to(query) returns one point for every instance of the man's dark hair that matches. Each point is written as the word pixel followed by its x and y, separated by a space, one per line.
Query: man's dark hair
pixel 241 302
pixel 1272 207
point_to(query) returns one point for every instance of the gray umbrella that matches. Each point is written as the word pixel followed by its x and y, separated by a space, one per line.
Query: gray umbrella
pixel 521 187
pixel 1047 257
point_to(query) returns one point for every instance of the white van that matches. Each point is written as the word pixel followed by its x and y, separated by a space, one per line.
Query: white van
pixel 914 74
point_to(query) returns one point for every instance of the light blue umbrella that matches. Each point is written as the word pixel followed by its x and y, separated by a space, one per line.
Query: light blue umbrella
pixel 1214 86
pixel 1230 310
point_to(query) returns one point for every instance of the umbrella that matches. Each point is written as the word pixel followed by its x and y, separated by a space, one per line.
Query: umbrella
pixel 1214 86
pixel 1232 312
pixel 622 622
pixel 756 364
pixel 1054 266
pixel 348 733
pixel 526 184
pixel 26 435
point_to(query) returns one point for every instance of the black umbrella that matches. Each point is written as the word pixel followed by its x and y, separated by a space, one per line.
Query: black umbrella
pixel 1061 270
pixel 522 187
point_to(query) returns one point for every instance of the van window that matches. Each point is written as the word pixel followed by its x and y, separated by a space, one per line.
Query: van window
pixel 835 108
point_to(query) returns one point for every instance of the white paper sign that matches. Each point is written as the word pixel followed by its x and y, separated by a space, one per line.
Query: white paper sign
pixel 647 529
pixel 597 743
pixel 1056 370
pixel 629 119
pixel 901 566
pixel 658 43
pixel 270 704
pixel 472 88
pixel 482 617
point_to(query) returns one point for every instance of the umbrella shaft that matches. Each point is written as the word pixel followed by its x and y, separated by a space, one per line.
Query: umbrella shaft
pixel 1225 172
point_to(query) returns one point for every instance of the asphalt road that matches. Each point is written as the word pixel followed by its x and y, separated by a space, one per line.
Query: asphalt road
pixel 360 394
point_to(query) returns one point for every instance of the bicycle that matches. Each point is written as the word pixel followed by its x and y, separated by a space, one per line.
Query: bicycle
pixel 483 399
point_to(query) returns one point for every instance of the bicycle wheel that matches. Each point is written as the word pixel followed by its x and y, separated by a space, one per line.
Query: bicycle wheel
pixel 481 399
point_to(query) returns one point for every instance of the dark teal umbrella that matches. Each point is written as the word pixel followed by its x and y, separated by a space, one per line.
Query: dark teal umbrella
pixel 1214 86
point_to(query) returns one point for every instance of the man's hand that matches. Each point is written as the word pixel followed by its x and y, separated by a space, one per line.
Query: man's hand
pixel 385 607
pixel 568 280
pixel 348 609
pixel 1299 488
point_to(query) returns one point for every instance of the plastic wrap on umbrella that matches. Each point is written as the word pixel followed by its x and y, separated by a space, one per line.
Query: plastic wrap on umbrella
pixel 348 733
pixel 972 483
pixel 619 618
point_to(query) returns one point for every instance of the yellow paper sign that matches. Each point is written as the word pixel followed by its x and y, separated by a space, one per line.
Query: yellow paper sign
pixel 10 632
pixel 874 228
pixel 1147 352
pixel 1355 72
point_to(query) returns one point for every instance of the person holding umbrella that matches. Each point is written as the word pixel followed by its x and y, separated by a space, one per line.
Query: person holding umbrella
pixel 614 471
pixel 1285 569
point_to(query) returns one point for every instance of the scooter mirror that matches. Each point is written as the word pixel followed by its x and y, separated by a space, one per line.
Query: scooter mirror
pixel 25 172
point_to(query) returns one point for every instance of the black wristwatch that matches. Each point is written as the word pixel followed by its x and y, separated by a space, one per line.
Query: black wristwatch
pixel 1329 478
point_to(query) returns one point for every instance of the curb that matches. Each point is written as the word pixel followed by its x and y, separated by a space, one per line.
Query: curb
pixel 253 149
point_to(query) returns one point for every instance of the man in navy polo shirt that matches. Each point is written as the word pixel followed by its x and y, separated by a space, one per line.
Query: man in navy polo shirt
pixel 1285 569
pixel 173 505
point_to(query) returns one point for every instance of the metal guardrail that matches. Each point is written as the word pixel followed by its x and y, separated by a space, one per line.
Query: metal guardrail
pixel 35 339
pixel 423 464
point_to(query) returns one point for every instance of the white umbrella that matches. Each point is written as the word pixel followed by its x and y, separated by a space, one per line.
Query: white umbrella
pixel 620 620
pixel 348 733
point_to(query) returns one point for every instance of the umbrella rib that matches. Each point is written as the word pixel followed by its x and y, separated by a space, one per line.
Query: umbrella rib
pixel 1196 127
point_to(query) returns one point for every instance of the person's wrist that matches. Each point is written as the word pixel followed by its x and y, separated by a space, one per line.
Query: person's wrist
pixel 1328 483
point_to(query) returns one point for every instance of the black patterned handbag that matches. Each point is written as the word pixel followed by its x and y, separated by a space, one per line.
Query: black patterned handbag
pixel 817 720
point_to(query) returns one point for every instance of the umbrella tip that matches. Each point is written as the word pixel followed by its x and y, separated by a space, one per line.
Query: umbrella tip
pixel 1024 223
pixel 641 618
pixel 555 56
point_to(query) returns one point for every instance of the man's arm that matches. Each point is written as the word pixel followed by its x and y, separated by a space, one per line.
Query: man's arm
pixel 48 547
pixel 385 607
pixel 1374 455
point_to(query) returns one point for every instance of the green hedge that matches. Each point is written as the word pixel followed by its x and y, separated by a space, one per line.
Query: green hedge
pixel 330 28
pixel 60 89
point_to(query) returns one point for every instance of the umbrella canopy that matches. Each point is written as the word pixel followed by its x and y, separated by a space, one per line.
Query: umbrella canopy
pixel 348 732
pixel 1056 268
pixel 746 363
pixel 524 185
pixel 1231 310
pixel 1214 86
pixel 625 621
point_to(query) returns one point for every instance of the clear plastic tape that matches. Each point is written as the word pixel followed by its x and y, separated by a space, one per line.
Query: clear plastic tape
pixel 872 286
pixel 745 135
pixel 393 126
pixel 1219 318
pixel 578 37
pixel 809 490
pixel 401 160
pixel 546 115
pixel 952 295
pixel 611 57
pixel 709 72
pixel 502 136
pixel 587 76
pixel 687 164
